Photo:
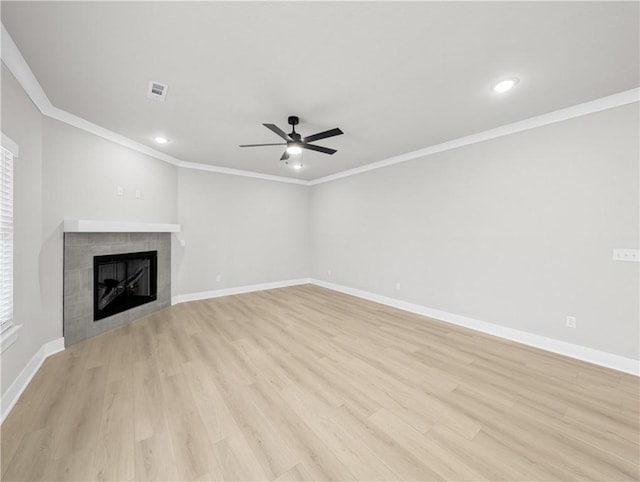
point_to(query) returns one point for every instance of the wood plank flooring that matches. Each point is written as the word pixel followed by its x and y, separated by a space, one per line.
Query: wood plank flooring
pixel 304 383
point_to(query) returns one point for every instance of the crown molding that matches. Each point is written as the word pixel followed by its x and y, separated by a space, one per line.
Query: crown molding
pixel 609 102
pixel 237 172
pixel 85 125
pixel 18 66
pixel 97 130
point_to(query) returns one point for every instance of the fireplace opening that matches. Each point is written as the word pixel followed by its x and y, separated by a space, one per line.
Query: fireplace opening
pixel 123 281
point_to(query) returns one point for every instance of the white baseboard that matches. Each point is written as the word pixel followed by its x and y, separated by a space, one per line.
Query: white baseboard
pixel 597 357
pixel 579 352
pixel 203 295
pixel 13 393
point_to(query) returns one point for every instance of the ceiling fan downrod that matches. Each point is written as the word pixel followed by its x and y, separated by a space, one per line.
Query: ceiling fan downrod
pixel 293 122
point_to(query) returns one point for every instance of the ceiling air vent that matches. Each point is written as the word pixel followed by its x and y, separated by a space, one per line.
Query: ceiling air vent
pixel 157 91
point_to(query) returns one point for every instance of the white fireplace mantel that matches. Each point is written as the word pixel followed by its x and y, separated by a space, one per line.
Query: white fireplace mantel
pixel 92 226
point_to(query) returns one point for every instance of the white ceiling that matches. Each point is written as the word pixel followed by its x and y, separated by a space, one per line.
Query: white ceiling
pixel 395 77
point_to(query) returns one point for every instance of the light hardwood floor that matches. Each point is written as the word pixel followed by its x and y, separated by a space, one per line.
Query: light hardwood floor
pixel 304 383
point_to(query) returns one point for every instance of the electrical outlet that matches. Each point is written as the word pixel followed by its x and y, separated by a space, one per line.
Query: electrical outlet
pixel 219 277
pixel 120 191
pixel 138 193
pixel 571 321
pixel 626 255
pixel 183 242
pixel 328 272
pixel 397 286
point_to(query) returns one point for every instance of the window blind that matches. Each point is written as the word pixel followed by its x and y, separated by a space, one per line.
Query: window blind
pixel 6 239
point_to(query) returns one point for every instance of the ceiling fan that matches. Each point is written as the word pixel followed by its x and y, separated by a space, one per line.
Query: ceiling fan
pixel 295 142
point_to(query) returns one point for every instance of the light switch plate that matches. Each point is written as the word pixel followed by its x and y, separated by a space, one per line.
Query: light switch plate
pixel 626 255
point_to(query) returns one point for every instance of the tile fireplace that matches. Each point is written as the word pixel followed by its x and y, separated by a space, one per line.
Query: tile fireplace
pixel 113 278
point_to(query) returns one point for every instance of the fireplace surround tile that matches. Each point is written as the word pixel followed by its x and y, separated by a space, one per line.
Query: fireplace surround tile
pixel 79 250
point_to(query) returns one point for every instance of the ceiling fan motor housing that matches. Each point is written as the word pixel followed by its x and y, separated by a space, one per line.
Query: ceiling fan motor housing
pixel 295 142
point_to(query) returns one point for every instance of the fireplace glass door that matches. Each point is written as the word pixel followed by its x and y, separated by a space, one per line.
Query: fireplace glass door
pixel 123 281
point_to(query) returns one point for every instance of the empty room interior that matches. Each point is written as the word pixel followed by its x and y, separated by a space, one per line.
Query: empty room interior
pixel 251 241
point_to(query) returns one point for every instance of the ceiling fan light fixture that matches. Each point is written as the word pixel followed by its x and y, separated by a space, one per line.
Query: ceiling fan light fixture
pixel 295 142
pixel 505 85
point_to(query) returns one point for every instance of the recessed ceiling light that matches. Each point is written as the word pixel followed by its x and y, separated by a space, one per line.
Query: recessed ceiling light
pixel 505 85
pixel 160 140
pixel 297 166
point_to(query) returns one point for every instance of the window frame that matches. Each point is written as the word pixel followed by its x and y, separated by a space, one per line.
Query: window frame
pixel 8 329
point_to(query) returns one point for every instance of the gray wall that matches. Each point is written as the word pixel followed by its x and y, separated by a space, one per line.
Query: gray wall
pixel 80 179
pixel 66 173
pixel 22 121
pixel 246 230
pixel 516 231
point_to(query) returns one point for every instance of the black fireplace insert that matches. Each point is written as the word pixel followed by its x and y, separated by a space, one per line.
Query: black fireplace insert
pixel 123 281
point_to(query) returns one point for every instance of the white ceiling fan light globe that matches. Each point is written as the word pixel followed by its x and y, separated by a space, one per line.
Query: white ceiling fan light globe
pixel 294 149
pixel 505 85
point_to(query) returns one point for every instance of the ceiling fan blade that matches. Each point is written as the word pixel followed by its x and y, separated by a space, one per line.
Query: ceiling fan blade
pixel 324 150
pixel 323 135
pixel 285 156
pixel 260 145
pixel 274 128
